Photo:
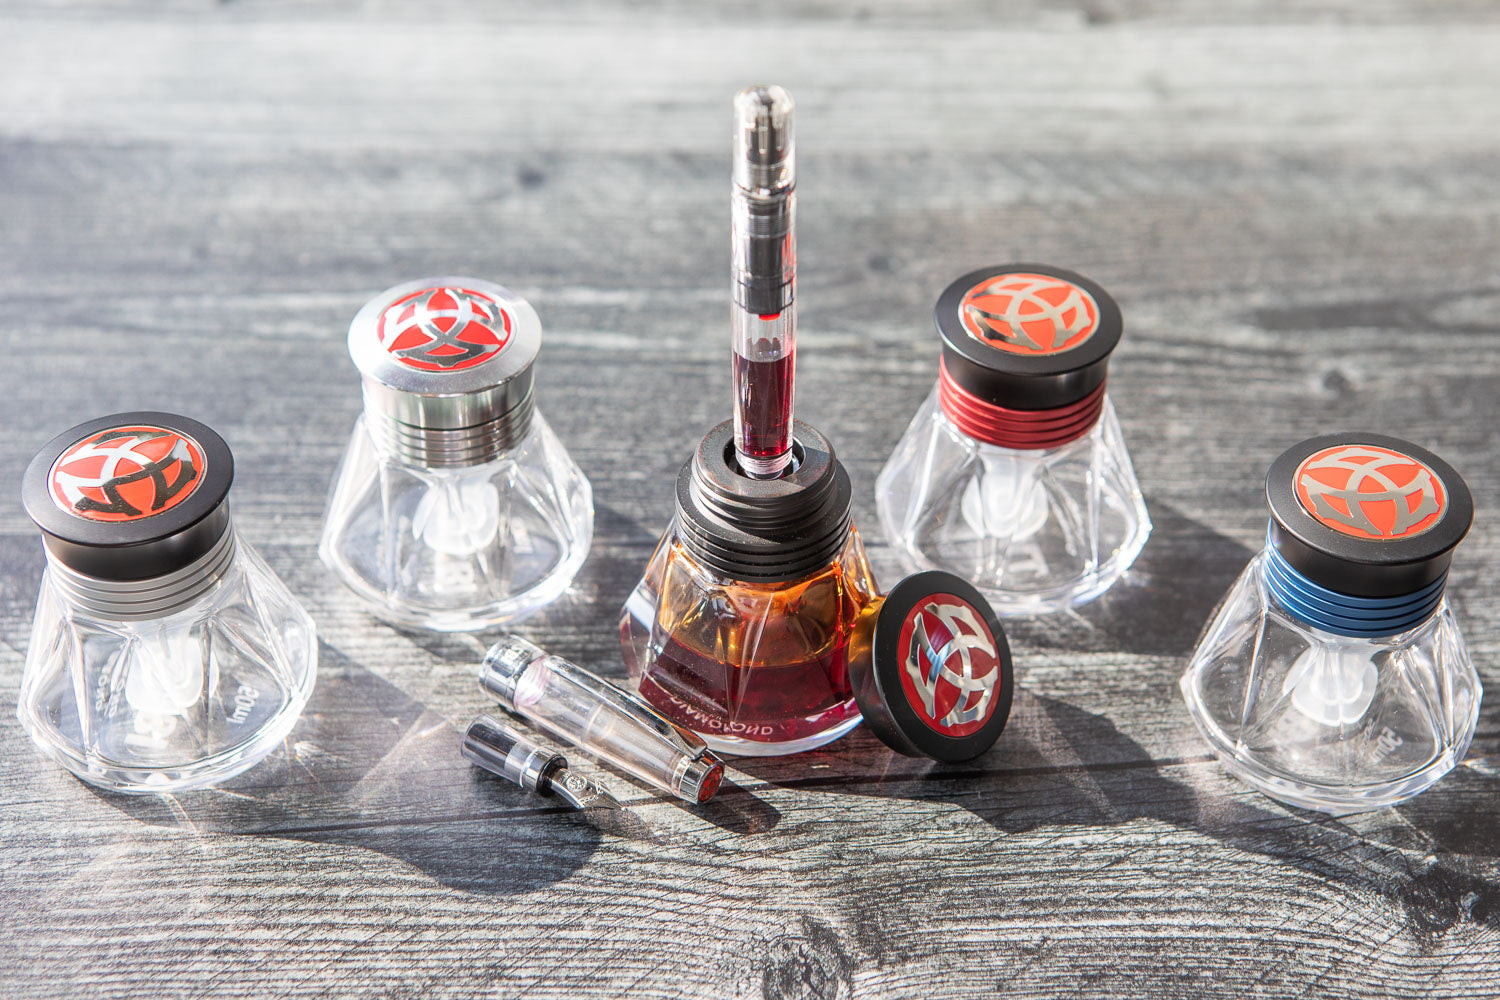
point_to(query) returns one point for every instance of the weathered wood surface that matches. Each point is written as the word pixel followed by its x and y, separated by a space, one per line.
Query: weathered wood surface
pixel 1295 204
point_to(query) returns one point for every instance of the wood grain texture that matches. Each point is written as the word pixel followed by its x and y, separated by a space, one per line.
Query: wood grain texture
pixel 1295 205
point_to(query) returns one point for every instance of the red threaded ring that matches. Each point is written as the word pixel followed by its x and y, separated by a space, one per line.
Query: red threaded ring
pixel 1026 430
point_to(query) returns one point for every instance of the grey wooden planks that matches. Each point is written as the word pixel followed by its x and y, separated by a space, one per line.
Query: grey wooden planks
pixel 1294 204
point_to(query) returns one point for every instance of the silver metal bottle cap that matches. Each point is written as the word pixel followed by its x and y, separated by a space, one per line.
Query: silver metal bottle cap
pixel 446 364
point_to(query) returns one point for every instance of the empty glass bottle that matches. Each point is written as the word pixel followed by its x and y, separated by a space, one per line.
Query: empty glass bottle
pixel 1014 474
pixel 164 655
pixel 1333 676
pixel 456 507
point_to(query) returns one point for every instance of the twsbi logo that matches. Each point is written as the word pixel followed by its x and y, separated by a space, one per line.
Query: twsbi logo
pixel 952 666
pixel 1370 492
pixel 126 473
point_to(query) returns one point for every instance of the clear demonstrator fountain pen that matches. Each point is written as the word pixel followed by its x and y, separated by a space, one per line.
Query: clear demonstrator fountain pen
pixel 763 225
pixel 583 709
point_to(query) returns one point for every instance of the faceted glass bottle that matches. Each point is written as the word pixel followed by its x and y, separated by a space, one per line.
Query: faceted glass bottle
pixel 165 655
pixel 1035 529
pixel 456 507
pixel 739 629
pixel 458 548
pixel 1014 473
pixel 1333 676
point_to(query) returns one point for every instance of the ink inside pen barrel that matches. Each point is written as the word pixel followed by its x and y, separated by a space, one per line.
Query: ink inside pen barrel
pixel 763 408
pixel 764 315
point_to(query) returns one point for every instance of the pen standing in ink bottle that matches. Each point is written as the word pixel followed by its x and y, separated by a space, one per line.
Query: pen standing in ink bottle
pixel 739 629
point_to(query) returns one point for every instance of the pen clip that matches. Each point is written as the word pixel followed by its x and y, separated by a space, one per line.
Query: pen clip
pixel 678 738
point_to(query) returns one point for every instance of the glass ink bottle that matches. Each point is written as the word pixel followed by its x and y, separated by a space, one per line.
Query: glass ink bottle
pixel 1014 473
pixel 1333 675
pixel 164 655
pixel 456 507
pixel 739 629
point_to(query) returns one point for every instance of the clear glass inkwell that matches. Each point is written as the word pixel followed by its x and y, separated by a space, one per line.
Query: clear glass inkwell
pixel 1333 676
pixel 456 507
pixel 739 630
pixel 1014 473
pixel 164 655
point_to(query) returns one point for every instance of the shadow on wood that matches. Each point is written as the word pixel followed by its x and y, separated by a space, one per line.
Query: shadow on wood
pixel 369 767
pixel 1160 607
pixel 1058 766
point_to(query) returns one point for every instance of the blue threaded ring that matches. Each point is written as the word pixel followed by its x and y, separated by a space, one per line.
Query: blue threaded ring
pixel 1345 614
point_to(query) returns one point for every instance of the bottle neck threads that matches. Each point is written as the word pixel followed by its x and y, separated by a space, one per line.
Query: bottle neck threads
pixel 435 446
pixel 1022 430
pixel 1346 614
pixel 764 529
pixel 153 597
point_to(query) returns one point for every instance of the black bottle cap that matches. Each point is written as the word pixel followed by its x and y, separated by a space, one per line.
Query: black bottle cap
pixel 1366 514
pixel 764 529
pixel 130 496
pixel 1027 336
pixel 931 669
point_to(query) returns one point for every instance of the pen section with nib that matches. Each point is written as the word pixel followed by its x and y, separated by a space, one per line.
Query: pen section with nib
pixel 512 755
pixel 456 507
pixel 739 629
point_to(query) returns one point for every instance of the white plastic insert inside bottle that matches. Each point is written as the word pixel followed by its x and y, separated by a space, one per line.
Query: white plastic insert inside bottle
pixel 1333 683
pixel 459 514
pixel 166 679
pixel 1008 500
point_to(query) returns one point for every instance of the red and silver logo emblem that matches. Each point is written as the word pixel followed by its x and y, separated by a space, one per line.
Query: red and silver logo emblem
pixel 1029 313
pixel 444 329
pixel 1368 491
pixel 951 668
pixel 126 473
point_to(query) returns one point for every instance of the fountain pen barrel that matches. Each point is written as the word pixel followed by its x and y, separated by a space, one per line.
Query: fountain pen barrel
pixel 764 249
pixel 578 707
